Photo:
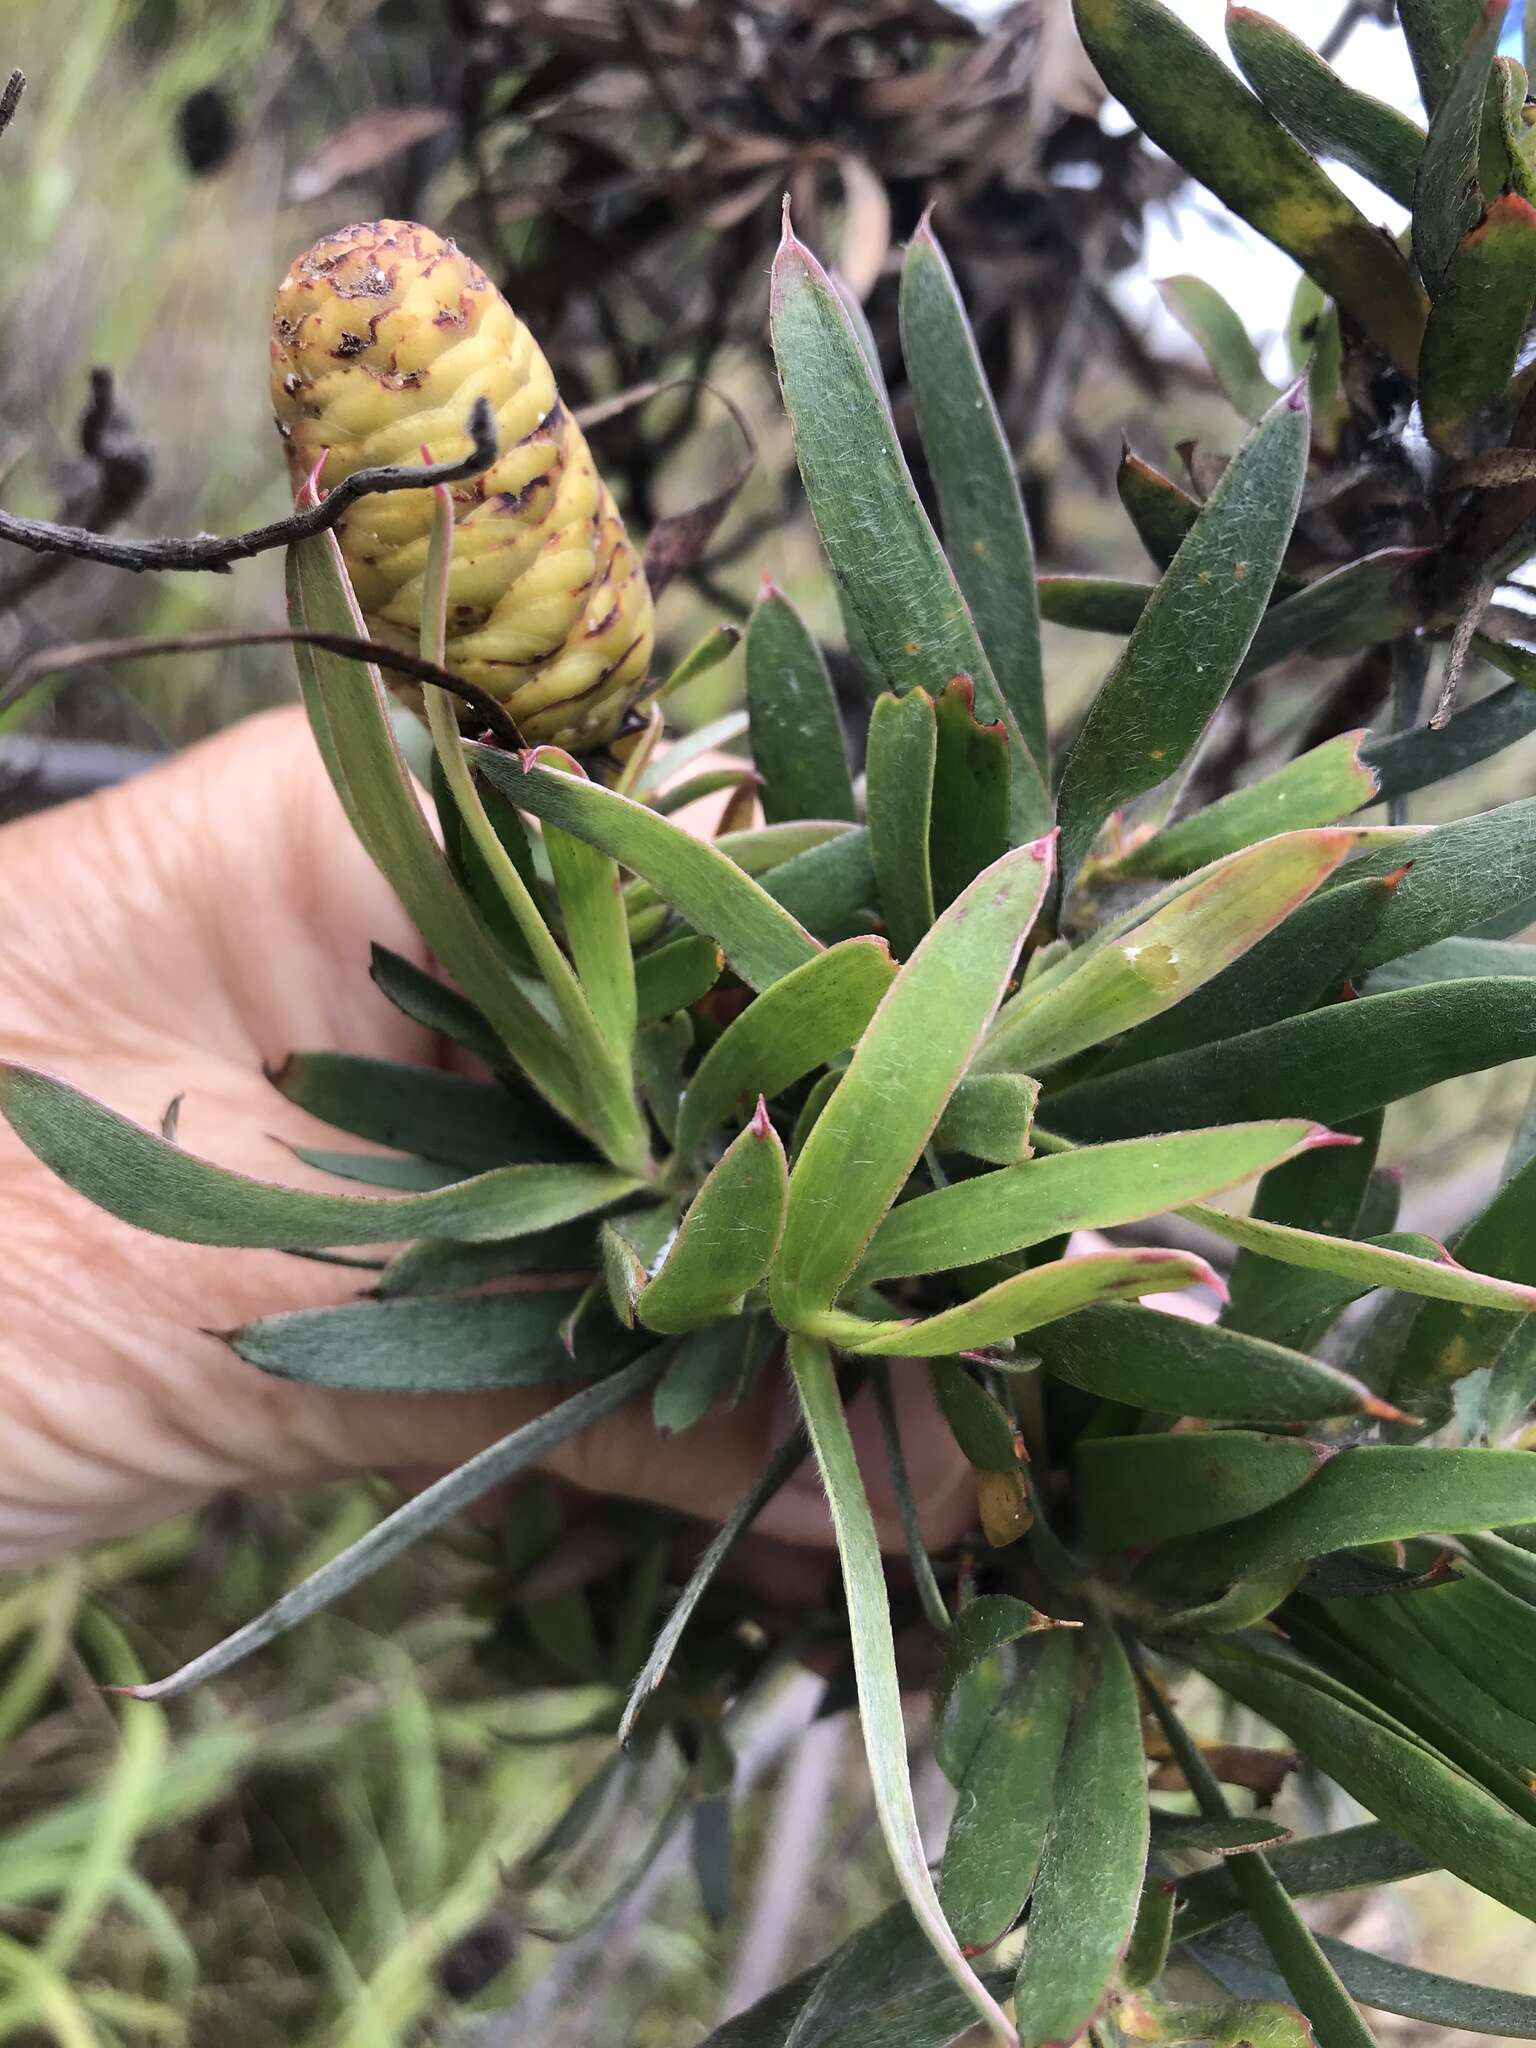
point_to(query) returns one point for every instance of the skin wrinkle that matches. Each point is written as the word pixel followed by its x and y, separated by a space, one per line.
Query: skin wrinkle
pixel 168 937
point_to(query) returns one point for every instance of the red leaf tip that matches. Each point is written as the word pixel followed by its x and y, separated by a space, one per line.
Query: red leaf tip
pixel 1319 1138
pixel 761 1125
pixel 1295 400
pixel 1385 1412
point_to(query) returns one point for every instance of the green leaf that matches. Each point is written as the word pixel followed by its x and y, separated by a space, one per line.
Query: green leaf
pixel 1178 1367
pixel 140 1178
pixel 431 1004
pixel 424 1512
pixel 1447 193
pixel 710 1365
pixel 1026 1301
pixel 1147 1956
pixel 380 1169
pixel 671 977
pixel 1346 1861
pixel 1389 1986
pixel 420 1347
pixel 914 1051
pixel 717 645
pixel 1190 641
pixel 970 794
pixel 1161 512
pixel 1160 961
pixel 797 734
pixel 874 1657
pixel 1090 1880
pixel 1417 1793
pixel 349 713
pixel 597 934
pixel 1306 960
pixel 1448 1340
pixel 979 1424
pixel 1177 1833
pixel 1223 340
pixel 727 1236
pixel 805 1019
pixel 1221 135
pixel 417 1109
pixel 1477 324
pixel 1454 960
pixel 1371 1493
pixel 986 532
pixel 1413 760
pixel 1137 1490
pixel 444 1267
pixel 1096 1188
pixel 1333 1064
pixel 1348 608
pixel 1463 874
pixel 1322 1191
pixel 761 940
pixel 1092 604
pixel 830 888
pixel 1315 788
pixel 1006 1798
pixel 1436 32
pixel 1327 116
pixel 883 551
pixel 1486 1632
pixel 902 762
pixel 990 1117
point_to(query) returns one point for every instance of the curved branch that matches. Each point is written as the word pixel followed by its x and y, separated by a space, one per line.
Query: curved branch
pixel 215 553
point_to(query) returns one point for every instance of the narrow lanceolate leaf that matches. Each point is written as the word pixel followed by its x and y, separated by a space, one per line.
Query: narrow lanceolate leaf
pixel 348 711
pixel 1177 1367
pixel 830 888
pixel 915 623
pixel 1318 787
pixel 596 931
pixel 1223 340
pixel 1094 1188
pixel 990 1116
pixel 1095 1855
pixel 761 940
pixel 1351 607
pixel 1345 1861
pixel 898 789
pixel 1006 1798
pixel 1333 1064
pixel 1138 1490
pixel 1330 118
pixel 1374 1493
pixel 810 1016
pixel 1324 1192
pixel 432 1004
pixel 1455 960
pixel 1478 323
pixel 1161 511
pixel 1447 193
pixel 986 533
pixel 673 976
pixel 1436 32
pixel 797 734
pixel 1407 761
pixel 425 1347
pixel 1030 1299
pixel 159 1187
pixel 727 1237
pixel 969 828
pixel 424 1512
pixel 874 1657
pixel 1093 604
pixel 978 1421
pixel 1221 135
pixel 985 1624
pixel 1166 958
pixel 1418 1793
pixel 918 1044
pixel 417 1109
pixel 1190 641
pixel 1451 1339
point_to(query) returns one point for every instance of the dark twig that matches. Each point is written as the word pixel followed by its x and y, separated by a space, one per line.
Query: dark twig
pixel 10 98
pixel 47 661
pixel 122 472
pixel 215 553
pixel 1456 656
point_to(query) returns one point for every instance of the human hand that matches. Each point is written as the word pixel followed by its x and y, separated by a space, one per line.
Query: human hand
pixel 170 937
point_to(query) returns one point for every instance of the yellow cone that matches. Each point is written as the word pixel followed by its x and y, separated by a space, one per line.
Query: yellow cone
pixel 383 336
